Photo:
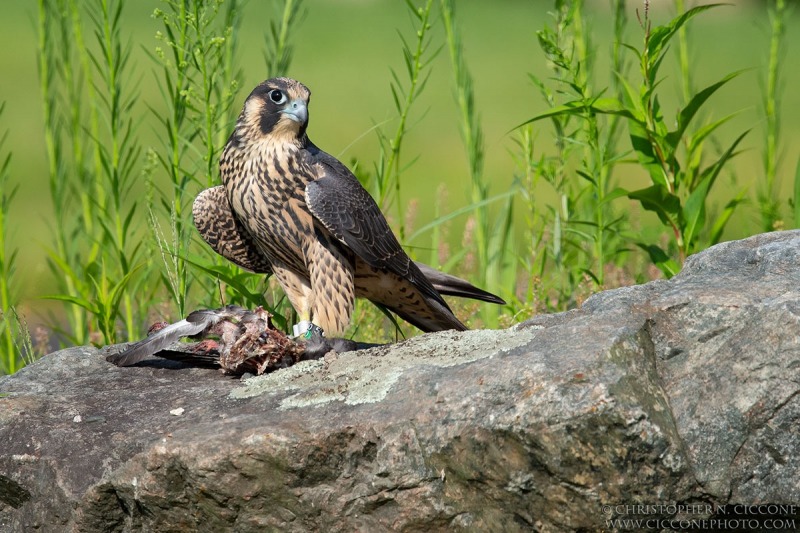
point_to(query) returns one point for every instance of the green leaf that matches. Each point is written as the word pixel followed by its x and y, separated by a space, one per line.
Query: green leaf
pixel 414 10
pixel 391 318
pixel 652 80
pixel 713 170
pixel 633 49
pixel 603 106
pixel 224 274
pixel 611 106
pixel 557 240
pixel 687 113
pixel 646 154
pixel 660 35
pixel 613 195
pixel 660 259
pixel 722 219
pixel 694 152
pixel 634 100
pixel 591 275
pixel 397 103
pixel 694 211
pixel 588 177
pixel 454 260
pixel 60 265
pixel 80 302
pixel 457 212
pixel 659 200
pixel 118 290
pixel 700 135
pixel 660 129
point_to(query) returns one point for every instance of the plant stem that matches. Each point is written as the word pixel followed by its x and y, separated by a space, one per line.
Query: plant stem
pixel 91 191
pixel 683 56
pixel 392 166
pixel 278 55
pixel 8 357
pixel 770 210
pixel 594 153
pixel 46 53
pixel 471 134
pixel 121 151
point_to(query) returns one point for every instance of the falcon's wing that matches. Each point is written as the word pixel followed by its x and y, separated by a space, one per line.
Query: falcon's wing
pixel 214 219
pixel 195 323
pixel 346 209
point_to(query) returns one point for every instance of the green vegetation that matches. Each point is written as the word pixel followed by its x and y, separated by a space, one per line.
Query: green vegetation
pixel 607 167
pixel 674 159
pixel 579 235
pixel 386 182
pixel 198 82
pixel 10 361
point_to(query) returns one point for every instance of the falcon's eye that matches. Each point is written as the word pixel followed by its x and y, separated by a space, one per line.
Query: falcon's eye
pixel 277 96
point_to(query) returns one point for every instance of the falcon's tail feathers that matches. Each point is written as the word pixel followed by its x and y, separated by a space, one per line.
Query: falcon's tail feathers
pixel 441 320
pixel 450 285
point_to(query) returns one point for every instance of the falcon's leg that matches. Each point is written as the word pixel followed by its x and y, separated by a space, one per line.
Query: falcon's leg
pixel 329 305
pixel 297 289
pixel 317 345
pixel 332 280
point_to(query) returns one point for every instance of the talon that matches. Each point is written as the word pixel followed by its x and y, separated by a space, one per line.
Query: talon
pixel 316 345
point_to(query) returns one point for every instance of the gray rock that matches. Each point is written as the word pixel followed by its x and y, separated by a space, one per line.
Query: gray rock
pixel 674 392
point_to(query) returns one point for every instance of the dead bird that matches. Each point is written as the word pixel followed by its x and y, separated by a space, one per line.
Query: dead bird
pixel 236 339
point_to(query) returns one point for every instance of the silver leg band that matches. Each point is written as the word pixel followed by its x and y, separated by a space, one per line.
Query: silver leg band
pixel 301 328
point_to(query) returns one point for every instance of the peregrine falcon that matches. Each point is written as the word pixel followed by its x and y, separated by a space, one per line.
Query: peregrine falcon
pixel 287 208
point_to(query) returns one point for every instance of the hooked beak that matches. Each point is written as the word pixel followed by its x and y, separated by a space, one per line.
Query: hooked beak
pixel 297 111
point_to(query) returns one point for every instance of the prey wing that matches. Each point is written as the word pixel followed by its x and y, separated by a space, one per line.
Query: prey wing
pixel 194 324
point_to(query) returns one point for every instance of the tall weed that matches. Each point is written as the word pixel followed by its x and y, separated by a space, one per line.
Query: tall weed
pixel 278 49
pixel 385 185
pixel 90 175
pixel 492 241
pixel 198 83
pixel 673 159
pixel 579 235
pixel 769 194
pixel 9 362
pixel 200 79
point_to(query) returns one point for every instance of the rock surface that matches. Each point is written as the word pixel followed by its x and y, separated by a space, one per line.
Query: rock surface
pixel 682 391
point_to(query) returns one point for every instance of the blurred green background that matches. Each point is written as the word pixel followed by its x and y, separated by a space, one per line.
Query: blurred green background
pixel 343 51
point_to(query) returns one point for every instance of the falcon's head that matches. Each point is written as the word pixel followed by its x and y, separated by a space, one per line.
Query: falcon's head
pixel 277 108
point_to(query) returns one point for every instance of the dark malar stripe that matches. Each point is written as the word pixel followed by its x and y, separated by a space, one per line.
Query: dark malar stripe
pixel 268 122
